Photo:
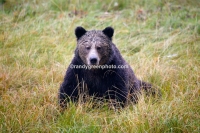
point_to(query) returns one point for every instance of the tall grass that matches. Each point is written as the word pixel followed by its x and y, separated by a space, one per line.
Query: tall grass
pixel 159 39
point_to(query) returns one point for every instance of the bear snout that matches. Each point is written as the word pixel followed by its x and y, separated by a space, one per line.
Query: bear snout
pixel 93 61
pixel 93 57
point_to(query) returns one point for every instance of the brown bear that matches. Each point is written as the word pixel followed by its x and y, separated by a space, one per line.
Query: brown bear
pixel 99 70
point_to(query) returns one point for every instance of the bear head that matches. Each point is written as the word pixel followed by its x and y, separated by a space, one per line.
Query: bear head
pixel 94 47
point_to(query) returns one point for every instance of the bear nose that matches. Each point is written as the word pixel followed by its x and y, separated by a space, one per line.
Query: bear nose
pixel 93 60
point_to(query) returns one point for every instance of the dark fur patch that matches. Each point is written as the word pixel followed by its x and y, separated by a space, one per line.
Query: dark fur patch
pixel 79 32
pixel 108 31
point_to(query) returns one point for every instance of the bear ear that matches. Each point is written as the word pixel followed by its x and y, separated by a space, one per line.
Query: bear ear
pixel 108 31
pixel 79 32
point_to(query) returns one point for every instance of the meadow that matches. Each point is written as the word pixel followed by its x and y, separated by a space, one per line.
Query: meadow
pixel 159 39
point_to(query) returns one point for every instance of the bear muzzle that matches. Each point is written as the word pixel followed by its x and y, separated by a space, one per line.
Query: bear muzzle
pixel 93 59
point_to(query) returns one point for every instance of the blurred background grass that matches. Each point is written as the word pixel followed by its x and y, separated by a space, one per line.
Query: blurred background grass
pixel 159 39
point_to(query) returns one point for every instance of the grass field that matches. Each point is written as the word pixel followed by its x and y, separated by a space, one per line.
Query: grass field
pixel 159 39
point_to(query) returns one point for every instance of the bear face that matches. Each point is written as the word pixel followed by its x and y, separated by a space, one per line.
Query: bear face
pixel 94 47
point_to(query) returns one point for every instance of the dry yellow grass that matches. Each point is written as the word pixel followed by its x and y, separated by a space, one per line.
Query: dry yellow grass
pixel 37 43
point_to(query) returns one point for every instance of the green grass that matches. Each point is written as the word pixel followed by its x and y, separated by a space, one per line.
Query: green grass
pixel 159 39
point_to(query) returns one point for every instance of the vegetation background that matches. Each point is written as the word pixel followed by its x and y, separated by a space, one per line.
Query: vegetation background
pixel 160 39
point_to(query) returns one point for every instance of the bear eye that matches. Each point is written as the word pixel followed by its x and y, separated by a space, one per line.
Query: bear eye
pixel 98 47
pixel 88 47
